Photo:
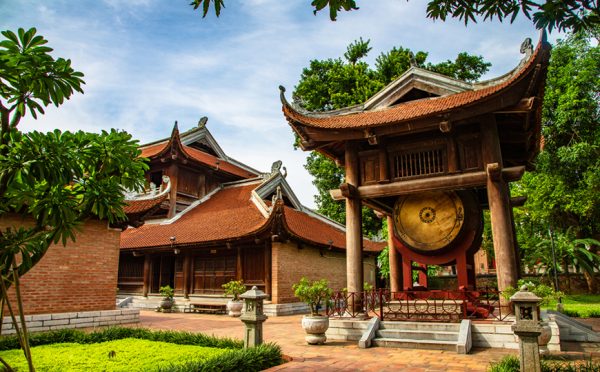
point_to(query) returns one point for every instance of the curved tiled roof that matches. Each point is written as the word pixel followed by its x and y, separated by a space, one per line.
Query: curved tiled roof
pixel 312 229
pixel 230 214
pixel 199 156
pixel 144 205
pixel 411 110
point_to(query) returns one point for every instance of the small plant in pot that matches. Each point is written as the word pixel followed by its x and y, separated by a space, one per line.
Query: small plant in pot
pixel 315 294
pixel 234 288
pixel 166 305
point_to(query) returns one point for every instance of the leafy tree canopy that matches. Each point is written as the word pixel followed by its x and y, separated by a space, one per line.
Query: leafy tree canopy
pixel 562 193
pixel 335 83
pixel 563 15
pixel 56 180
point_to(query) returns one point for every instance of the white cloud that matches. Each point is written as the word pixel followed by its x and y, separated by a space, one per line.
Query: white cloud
pixel 151 62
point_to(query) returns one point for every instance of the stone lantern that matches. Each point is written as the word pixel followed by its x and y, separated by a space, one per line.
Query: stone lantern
pixel 253 316
pixel 528 328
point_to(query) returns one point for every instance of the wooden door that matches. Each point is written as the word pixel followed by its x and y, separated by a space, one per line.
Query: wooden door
pixel 211 271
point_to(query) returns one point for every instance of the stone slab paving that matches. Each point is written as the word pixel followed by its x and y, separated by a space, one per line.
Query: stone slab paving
pixel 287 332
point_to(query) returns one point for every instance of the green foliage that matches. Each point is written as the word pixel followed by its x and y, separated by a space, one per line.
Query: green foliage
pixel 118 355
pixel 167 292
pixel 312 293
pixel 546 293
pixel 564 15
pixel 118 333
pixel 511 363
pixel 257 358
pixel 234 288
pixel 336 83
pixel 579 306
pixel 31 78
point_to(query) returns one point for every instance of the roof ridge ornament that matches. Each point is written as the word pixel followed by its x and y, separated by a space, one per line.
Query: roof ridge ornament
pixel 527 48
pixel 202 122
pixel 413 60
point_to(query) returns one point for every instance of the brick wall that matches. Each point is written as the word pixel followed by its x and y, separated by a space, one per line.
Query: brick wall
pixel 81 276
pixel 290 264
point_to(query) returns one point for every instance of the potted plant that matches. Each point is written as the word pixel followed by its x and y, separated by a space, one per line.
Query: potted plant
pixel 167 302
pixel 234 288
pixel 314 294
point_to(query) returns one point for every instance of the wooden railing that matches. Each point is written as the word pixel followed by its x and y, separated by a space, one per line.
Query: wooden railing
pixel 434 305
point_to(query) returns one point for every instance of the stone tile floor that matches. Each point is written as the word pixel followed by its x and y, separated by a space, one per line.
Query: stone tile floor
pixel 287 332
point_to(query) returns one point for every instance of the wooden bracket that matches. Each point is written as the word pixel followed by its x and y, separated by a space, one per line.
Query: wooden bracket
pixel 445 126
pixel 494 172
pixel 371 137
pixel 349 191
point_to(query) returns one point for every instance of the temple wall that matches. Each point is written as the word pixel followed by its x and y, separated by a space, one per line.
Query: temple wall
pixel 290 264
pixel 81 276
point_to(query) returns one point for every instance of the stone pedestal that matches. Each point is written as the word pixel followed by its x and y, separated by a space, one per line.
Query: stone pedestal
pixel 253 317
pixel 527 327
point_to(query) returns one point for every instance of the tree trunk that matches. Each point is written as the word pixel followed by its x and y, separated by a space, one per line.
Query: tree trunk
pixel 591 282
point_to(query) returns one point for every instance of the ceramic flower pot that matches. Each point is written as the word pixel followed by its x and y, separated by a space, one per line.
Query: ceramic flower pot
pixel 166 305
pixel 235 307
pixel 315 328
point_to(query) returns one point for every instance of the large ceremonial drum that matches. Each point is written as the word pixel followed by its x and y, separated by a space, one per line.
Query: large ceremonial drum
pixel 436 222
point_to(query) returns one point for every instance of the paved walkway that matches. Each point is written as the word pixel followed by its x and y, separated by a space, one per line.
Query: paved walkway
pixel 287 332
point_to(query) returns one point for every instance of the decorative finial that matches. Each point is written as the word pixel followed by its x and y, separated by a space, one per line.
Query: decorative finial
pixel 202 122
pixel 413 61
pixel 527 47
pixel 276 166
pixel 282 89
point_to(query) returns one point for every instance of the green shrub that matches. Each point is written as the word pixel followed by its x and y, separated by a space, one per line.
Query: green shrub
pixel 546 293
pixel 312 293
pixel 234 288
pixel 167 292
pixel 510 363
pixel 253 359
pixel 118 333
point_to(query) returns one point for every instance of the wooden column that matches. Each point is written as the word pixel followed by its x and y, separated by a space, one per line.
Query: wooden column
pixel 499 203
pixel 268 268
pixel 239 275
pixel 354 267
pixel 146 287
pixel 406 274
pixel 186 274
pixel 423 276
pixel 394 259
pixel 173 172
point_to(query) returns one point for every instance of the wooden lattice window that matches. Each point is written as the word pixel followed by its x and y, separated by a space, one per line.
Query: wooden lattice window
pixel 409 164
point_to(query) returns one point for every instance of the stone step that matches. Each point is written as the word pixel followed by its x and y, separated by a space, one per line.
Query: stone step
pixel 422 326
pixel 418 334
pixel 415 344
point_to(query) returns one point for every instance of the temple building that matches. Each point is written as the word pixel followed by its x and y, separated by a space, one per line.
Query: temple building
pixel 221 220
pixel 431 152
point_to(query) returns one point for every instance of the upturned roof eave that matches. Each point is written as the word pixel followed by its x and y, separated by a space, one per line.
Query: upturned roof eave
pixel 302 121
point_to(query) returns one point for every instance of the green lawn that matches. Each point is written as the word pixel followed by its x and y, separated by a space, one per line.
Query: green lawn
pixel 582 306
pixel 130 354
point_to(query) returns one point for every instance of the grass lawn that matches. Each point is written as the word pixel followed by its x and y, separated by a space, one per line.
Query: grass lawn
pixel 127 354
pixel 137 349
pixel 582 306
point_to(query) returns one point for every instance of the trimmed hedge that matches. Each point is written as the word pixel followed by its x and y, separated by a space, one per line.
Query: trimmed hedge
pixel 511 363
pixel 118 333
pixel 236 358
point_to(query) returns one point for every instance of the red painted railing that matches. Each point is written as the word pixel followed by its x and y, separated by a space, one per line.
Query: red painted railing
pixel 432 305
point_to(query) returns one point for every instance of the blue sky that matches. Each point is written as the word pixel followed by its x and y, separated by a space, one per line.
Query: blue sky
pixel 148 63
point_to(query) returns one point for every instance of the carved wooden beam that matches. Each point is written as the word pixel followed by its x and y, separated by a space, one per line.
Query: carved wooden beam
pixel 448 182
pixel 349 191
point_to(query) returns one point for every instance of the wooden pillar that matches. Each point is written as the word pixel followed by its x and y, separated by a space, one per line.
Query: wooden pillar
pixel 239 275
pixel 423 276
pixel 146 287
pixel 268 268
pixel 354 266
pixel 186 274
pixel 173 172
pixel 394 259
pixel 462 276
pixel 406 274
pixel 499 203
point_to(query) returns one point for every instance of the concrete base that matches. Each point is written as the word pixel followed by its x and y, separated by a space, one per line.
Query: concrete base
pixel 83 319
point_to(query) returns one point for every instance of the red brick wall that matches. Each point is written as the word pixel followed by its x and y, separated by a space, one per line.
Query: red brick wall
pixel 81 276
pixel 289 264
